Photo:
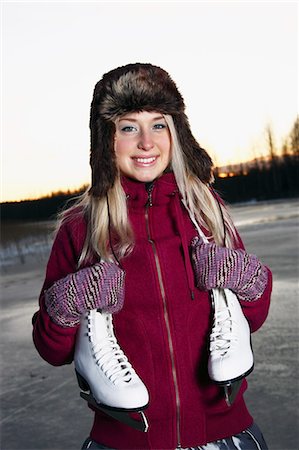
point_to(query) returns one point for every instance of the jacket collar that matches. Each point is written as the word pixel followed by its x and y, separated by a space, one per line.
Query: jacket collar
pixel 162 188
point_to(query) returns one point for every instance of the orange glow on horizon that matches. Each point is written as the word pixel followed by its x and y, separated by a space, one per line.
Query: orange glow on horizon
pixel 233 89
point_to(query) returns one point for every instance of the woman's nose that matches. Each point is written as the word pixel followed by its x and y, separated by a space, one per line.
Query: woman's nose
pixel 145 142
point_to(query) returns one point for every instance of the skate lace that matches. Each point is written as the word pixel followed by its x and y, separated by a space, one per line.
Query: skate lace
pixel 112 361
pixel 221 337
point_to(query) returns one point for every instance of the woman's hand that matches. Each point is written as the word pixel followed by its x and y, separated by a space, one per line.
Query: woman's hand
pixel 99 286
pixel 221 267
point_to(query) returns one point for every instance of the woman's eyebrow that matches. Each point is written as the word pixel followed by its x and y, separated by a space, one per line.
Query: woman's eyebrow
pixel 127 118
pixel 131 119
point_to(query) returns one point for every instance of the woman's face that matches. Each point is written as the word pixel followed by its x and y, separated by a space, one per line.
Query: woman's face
pixel 142 145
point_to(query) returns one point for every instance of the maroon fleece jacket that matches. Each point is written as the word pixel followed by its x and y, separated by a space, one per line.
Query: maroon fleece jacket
pixel 163 327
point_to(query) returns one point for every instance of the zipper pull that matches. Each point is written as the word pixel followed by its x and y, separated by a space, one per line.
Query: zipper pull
pixel 149 189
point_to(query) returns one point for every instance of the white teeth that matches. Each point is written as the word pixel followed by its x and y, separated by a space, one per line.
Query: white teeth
pixel 146 160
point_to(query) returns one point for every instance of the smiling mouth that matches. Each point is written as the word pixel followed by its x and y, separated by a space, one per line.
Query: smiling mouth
pixel 145 161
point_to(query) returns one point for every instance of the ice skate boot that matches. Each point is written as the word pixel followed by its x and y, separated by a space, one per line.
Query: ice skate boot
pixel 231 357
pixel 104 374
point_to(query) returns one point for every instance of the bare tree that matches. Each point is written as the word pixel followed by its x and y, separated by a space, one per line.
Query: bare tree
pixel 276 181
pixel 285 150
pixel 294 137
pixel 270 139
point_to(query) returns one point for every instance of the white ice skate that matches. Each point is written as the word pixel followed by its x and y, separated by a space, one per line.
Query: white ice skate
pixel 231 357
pixel 104 373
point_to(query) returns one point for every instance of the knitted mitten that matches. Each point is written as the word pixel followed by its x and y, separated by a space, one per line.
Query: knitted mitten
pixel 99 286
pixel 221 267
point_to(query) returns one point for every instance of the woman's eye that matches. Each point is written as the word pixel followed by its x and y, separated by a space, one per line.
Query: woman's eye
pixel 128 129
pixel 159 126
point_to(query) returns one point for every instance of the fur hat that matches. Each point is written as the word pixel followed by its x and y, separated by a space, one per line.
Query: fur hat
pixel 133 88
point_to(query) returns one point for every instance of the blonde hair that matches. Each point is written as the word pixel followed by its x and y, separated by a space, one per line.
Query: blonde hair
pixel 198 197
pixel 107 217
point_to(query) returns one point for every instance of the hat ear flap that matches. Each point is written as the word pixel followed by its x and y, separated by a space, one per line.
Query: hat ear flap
pixel 196 158
pixel 102 157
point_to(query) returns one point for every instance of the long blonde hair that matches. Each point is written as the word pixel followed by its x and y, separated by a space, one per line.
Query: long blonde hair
pixel 198 198
pixel 109 214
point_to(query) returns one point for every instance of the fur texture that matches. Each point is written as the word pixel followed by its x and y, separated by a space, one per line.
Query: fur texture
pixel 133 88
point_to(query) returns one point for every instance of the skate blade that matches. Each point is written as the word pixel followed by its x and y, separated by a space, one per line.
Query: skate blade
pixel 120 414
pixel 231 391
pixel 232 387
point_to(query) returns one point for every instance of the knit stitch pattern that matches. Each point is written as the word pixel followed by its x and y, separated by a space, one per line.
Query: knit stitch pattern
pixel 221 267
pixel 99 286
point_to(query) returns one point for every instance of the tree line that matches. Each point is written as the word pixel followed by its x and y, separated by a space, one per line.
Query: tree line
pixel 273 176
pixel 276 175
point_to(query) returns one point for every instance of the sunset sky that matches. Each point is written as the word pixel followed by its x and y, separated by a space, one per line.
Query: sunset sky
pixel 236 64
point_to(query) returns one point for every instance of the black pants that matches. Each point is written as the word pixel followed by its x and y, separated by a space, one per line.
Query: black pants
pixel 249 439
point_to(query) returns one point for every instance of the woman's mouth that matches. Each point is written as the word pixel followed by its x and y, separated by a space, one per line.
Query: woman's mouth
pixel 144 162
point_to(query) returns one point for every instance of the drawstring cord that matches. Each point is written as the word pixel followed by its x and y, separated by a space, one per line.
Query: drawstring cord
pixel 182 232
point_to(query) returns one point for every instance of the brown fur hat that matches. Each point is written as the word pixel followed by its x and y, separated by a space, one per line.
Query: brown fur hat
pixel 133 88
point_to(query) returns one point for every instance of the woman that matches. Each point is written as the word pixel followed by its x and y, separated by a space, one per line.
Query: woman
pixel 133 232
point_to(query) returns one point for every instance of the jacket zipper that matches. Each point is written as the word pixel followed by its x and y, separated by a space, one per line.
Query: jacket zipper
pixel 165 309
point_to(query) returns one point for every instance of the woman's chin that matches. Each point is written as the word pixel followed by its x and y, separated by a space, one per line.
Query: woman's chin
pixel 144 177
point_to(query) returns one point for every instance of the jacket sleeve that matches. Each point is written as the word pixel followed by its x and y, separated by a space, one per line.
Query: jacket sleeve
pixel 256 311
pixel 54 343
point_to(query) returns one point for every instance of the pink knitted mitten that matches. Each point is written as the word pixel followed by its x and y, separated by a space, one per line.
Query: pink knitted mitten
pixel 99 286
pixel 221 267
